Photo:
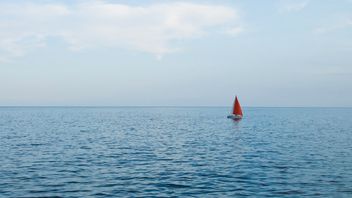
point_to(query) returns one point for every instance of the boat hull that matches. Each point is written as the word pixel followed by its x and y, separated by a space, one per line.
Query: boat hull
pixel 234 117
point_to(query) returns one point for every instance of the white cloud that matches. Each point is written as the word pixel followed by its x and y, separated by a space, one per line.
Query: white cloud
pixel 234 31
pixel 292 6
pixel 151 28
pixel 337 26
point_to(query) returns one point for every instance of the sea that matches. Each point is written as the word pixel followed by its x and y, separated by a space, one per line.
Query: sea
pixel 175 152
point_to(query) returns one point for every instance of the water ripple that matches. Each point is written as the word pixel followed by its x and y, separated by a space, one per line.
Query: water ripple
pixel 175 152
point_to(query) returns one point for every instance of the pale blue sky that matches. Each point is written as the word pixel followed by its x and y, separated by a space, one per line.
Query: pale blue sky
pixel 269 53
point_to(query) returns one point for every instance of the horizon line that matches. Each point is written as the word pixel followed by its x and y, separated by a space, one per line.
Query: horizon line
pixel 158 106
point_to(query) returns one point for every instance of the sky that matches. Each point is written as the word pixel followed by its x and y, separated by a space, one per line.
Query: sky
pixel 273 53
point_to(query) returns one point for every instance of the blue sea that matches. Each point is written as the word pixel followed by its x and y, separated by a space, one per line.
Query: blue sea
pixel 175 152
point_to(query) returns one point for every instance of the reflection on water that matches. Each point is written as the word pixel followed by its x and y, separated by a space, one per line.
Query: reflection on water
pixel 114 152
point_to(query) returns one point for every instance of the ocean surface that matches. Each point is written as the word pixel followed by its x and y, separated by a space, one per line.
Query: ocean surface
pixel 175 152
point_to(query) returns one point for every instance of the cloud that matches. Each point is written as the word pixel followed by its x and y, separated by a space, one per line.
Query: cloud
pixel 337 71
pixel 93 24
pixel 234 31
pixel 287 6
pixel 347 23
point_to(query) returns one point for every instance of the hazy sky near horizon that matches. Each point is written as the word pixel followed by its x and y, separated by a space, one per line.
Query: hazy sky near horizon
pixel 115 52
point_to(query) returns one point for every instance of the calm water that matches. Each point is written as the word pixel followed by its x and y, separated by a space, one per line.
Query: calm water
pixel 172 152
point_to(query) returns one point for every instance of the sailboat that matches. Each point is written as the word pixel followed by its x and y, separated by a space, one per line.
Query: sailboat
pixel 237 111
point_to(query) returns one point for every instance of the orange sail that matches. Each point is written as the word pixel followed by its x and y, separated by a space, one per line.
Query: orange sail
pixel 237 110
